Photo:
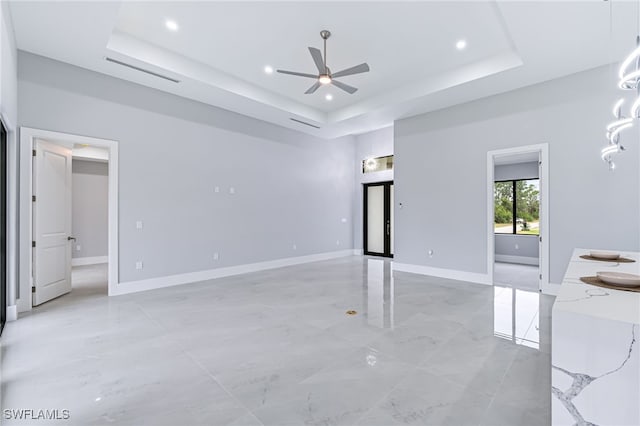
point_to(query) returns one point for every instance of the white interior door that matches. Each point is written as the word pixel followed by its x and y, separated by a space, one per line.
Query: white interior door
pixel 51 221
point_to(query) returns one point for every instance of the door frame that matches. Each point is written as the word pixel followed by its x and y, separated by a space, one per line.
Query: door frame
pixel 27 139
pixel 543 150
pixel 387 215
pixel 4 213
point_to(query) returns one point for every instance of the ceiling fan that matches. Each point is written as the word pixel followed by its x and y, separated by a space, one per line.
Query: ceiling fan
pixel 325 76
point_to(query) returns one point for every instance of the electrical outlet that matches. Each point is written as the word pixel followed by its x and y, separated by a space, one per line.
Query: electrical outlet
pixel 517 247
pixel 139 224
pixel 295 247
pixel 216 189
pixel 216 256
pixel 232 190
pixel 337 242
pixel 139 265
pixel 78 247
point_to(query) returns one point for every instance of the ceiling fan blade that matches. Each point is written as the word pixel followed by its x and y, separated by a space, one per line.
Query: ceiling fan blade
pixel 299 74
pixel 312 88
pixel 350 89
pixel 353 70
pixel 317 58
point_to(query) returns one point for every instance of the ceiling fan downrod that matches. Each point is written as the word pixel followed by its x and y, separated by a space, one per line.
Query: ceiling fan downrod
pixel 325 34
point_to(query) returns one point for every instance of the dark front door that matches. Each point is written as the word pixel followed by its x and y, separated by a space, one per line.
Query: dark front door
pixel 378 219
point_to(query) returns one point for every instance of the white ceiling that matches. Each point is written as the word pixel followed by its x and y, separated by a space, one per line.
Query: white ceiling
pixel 221 48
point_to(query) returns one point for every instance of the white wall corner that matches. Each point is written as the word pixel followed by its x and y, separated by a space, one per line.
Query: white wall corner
pixel 12 312
pixel 210 274
pixel 452 274
pixel 551 289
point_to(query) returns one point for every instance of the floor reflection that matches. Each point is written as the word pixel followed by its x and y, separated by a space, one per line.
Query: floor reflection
pixel 515 316
pixel 515 311
pixel 379 293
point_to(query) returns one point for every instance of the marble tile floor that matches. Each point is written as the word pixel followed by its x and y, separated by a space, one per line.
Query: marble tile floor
pixel 524 277
pixel 276 348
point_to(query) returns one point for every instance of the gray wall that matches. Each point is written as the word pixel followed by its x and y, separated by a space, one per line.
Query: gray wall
pixel 377 143
pixel 517 245
pixel 90 195
pixel 290 188
pixel 441 173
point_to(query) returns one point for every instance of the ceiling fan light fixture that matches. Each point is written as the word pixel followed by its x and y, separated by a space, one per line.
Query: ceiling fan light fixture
pixel 171 25
pixel 324 79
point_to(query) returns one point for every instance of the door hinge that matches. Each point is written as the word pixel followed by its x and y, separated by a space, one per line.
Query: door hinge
pixel 540 239
pixel 540 276
pixel 33 289
pixel 33 198
pixel 33 152
pixel 33 243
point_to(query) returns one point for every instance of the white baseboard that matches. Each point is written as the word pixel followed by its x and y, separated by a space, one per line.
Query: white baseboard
pixel 523 260
pixel 192 277
pixel 83 261
pixel 357 252
pixel 12 313
pixel 451 274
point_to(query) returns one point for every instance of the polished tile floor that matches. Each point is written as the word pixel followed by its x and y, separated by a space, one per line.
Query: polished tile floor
pixel 277 348
pixel 524 277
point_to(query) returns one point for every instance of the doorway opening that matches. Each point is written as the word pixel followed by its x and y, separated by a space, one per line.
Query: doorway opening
pixel 378 219
pixel 517 243
pixel 71 241
pixel 89 224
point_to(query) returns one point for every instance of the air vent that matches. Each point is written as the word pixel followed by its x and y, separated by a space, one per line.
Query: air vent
pixel 155 74
pixel 305 123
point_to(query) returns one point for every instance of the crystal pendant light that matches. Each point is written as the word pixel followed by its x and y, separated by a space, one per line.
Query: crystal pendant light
pixel 629 75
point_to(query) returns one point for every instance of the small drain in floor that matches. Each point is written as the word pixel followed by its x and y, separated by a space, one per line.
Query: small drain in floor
pixel 351 312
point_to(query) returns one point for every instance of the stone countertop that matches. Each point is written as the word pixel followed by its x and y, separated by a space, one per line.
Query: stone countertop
pixel 580 298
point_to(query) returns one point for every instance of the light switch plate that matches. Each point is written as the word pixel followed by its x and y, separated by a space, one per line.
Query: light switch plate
pixel 139 265
pixel 216 256
pixel 139 224
pixel 216 189
pixel 232 190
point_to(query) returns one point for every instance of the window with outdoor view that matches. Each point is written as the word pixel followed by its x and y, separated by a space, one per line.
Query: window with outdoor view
pixel 517 207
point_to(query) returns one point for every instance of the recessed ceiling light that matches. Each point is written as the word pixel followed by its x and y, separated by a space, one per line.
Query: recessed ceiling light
pixel 328 96
pixel 268 69
pixel 461 44
pixel 171 25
